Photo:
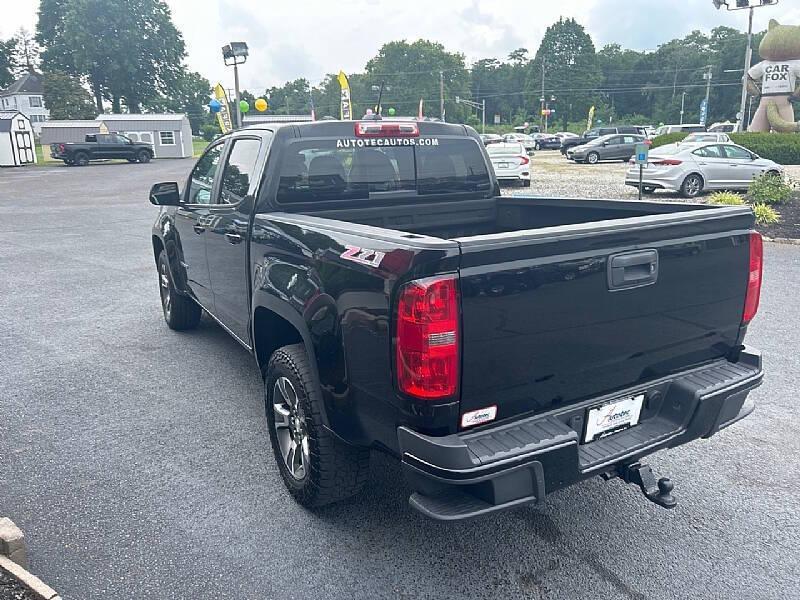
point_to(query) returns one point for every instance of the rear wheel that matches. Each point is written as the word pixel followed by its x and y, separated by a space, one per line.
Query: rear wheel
pixel 692 186
pixel 592 158
pixel 180 312
pixel 526 183
pixel 143 156
pixel 316 467
pixel 81 159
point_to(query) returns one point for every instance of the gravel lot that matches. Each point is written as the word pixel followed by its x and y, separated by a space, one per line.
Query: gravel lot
pixel 136 459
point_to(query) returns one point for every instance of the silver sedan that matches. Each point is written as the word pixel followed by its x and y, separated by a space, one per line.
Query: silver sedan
pixel 692 169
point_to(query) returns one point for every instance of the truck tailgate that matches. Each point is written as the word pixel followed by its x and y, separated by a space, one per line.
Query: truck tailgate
pixel 545 323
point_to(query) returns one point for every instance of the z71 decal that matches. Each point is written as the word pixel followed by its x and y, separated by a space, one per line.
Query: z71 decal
pixel 364 256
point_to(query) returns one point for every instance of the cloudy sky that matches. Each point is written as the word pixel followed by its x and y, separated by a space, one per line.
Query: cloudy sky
pixel 309 38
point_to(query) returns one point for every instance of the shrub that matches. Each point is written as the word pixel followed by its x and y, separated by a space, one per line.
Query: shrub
pixel 729 198
pixel 765 215
pixel 668 138
pixel 769 189
pixel 783 148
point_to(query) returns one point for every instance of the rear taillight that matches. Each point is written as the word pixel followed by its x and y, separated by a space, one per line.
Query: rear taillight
pixel 667 162
pixel 524 160
pixel 754 277
pixel 426 348
pixel 378 129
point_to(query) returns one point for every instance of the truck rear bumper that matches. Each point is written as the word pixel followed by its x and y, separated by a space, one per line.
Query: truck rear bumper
pixel 477 472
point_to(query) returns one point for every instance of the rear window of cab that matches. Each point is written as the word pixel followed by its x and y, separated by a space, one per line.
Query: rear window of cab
pixel 320 170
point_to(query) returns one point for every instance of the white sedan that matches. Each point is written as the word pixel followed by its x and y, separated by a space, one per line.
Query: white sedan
pixel 510 163
pixel 692 169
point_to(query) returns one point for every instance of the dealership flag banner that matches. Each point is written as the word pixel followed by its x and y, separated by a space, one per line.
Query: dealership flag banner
pixel 224 114
pixel 346 110
pixel 591 118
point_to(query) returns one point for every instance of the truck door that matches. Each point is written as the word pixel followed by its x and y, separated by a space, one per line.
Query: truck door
pixel 227 234
pixel 192 219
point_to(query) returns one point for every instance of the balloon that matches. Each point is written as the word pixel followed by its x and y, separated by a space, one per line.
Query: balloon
pixel 391 112
pixel 261 105
pixel 214 106
pixel 244 106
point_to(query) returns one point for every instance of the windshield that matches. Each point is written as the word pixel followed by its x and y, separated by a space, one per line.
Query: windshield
pixel 505 149
pixel 330 169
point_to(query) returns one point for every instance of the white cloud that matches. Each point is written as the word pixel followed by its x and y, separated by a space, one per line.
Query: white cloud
pixel 309 38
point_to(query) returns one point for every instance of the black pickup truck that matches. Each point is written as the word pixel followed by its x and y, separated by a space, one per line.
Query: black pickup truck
pixel 101 146
pixel 500 347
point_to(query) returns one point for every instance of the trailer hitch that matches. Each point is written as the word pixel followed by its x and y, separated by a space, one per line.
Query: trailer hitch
pixel 659 492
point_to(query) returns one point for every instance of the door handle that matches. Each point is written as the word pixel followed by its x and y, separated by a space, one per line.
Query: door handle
pixel 233 238
pixel 632 269
pixel 199 229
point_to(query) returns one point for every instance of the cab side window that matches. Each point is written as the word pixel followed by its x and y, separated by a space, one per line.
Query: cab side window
pixel 737 153
pixel 239 170
pixel 203 174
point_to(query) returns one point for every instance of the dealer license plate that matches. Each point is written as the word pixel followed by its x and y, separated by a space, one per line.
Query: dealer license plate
pixel 612 417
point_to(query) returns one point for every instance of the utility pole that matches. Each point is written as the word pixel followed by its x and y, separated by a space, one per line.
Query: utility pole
pixel 707 76
pixel 748 57
pixel 683 99
pixel 543 118
pixel 483 116
pixel 441 95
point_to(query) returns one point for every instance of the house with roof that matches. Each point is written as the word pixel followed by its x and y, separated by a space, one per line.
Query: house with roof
pixel 26 96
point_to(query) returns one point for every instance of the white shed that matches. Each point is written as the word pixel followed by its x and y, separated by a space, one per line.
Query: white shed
pixel 16 140
pixel 169 134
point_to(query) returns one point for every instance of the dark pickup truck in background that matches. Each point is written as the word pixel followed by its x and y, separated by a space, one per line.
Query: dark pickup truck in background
pixel 500 347
pixel 102 147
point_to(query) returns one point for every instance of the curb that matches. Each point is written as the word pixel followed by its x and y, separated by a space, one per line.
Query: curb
pixel 789 241
pixel 33 583
pixel 14 561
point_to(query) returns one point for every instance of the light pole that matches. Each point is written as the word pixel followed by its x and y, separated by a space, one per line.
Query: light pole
pixel 748 55
pixel 707 76
pixel 683 99
pixel 235 54
pixel 481 106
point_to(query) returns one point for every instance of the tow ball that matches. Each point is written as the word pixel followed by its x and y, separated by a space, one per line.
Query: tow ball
pixel 659 492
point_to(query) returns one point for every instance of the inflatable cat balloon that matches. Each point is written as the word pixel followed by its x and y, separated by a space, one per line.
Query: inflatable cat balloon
pixel 776 79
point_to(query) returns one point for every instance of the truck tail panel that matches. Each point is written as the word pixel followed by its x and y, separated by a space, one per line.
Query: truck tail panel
pixel 561 318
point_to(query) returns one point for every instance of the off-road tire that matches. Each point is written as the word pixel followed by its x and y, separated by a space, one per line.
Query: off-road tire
pixel 181 313
pixel 81 159
pixel 337 470
pixel 143 156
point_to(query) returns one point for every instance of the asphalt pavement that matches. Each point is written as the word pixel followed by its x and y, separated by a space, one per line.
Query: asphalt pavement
pixel 137 463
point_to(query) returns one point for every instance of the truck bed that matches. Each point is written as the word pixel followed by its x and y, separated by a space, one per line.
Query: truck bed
pixel 462 219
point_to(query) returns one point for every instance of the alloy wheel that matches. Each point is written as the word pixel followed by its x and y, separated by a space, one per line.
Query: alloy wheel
pixel 290 428
pixel 166 295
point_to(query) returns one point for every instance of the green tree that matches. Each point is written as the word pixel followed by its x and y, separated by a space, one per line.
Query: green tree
pixel 412 71
pixel 66 98
pixel 567 61
pixel 129 50
pixel 189 93
pixel 8 62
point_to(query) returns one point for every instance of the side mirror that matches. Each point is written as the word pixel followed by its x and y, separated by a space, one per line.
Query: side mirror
pixel 754 156
pixel 165 194
pixel 605 143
